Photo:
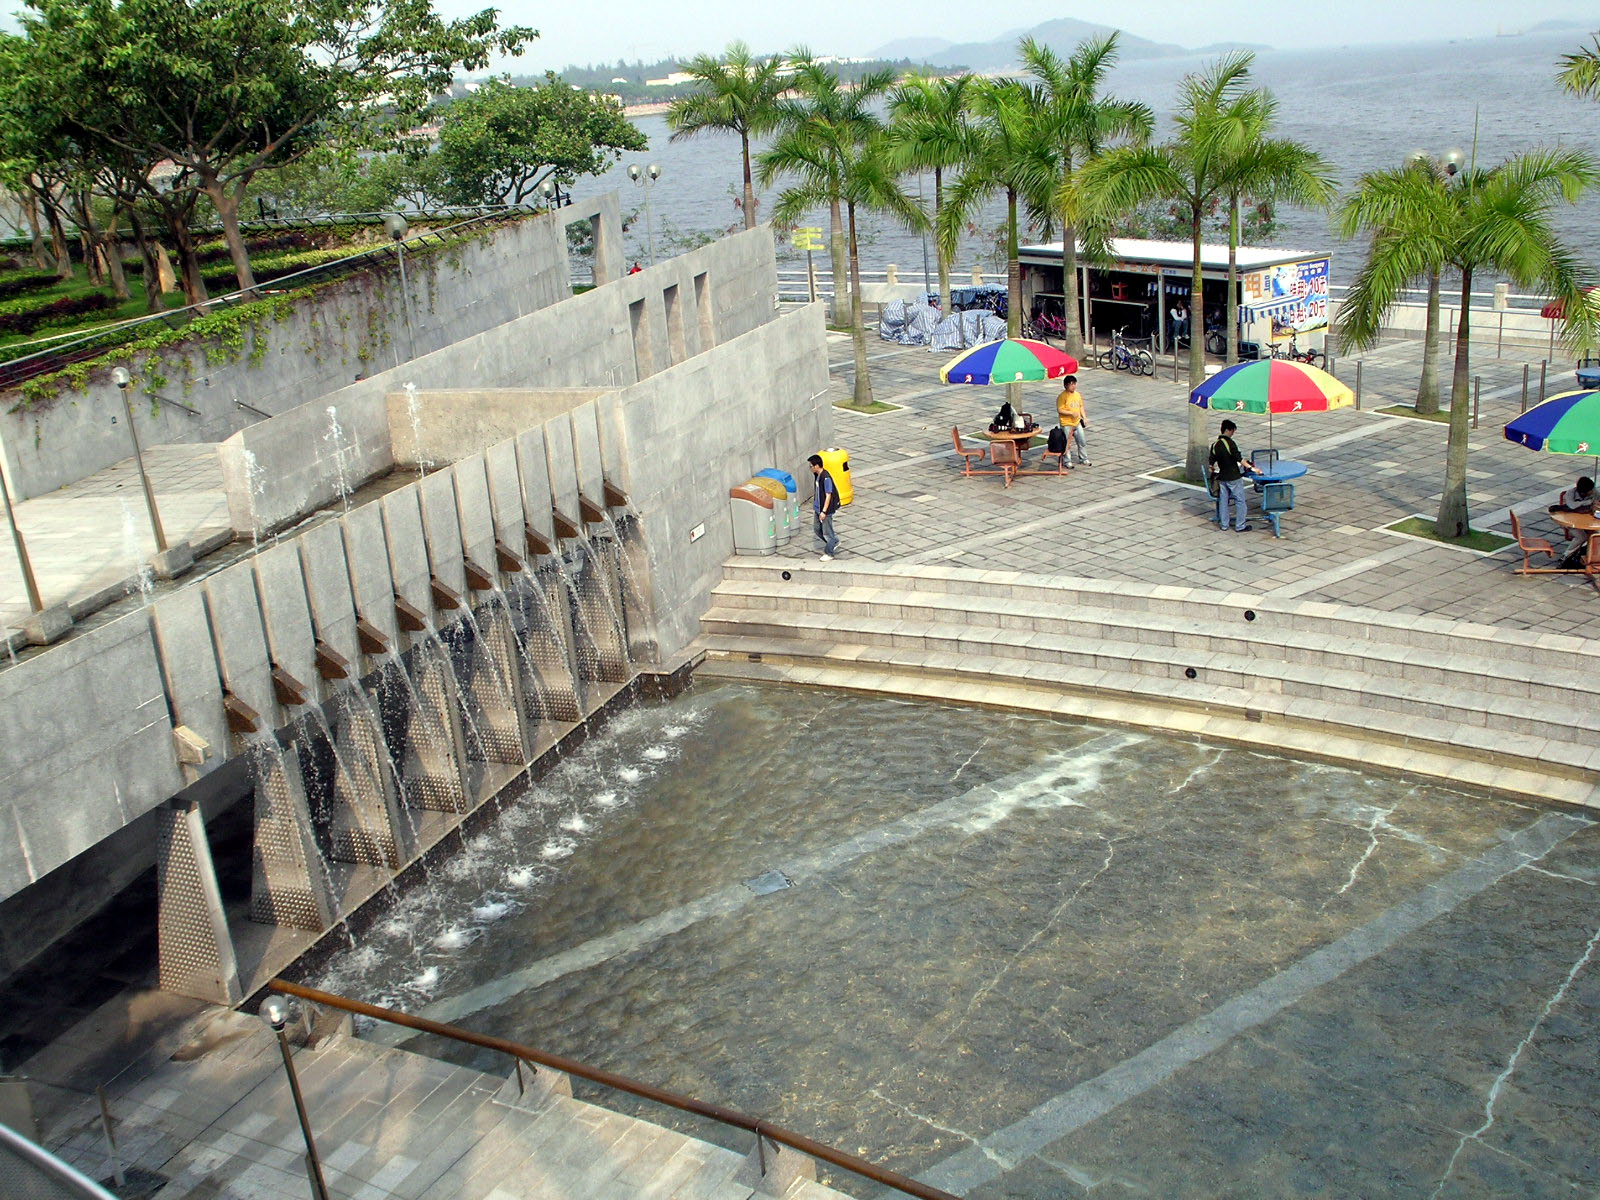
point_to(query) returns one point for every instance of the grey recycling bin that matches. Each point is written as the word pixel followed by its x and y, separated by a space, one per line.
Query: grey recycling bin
pixel 793 498
pixel 754 531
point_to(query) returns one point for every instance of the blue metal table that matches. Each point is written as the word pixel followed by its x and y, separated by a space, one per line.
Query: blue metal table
pixel 1279 471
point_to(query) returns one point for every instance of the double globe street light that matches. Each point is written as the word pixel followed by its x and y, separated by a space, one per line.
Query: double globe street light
pixel 646 177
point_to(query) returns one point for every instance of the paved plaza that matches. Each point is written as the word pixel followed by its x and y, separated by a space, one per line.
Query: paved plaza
pixel 1118 520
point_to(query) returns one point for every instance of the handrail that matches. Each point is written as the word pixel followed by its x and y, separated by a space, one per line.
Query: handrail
pixel 622 1083
pixel 47 1169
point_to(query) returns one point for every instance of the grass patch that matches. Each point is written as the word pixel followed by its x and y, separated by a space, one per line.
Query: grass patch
pixel 877 406
pixel 1406 410
pixel 1175 474
pixel 1476 539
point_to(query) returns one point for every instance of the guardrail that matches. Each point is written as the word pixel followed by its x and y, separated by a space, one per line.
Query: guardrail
pixel 29 1170
pixel 90 345
pixel 765 1131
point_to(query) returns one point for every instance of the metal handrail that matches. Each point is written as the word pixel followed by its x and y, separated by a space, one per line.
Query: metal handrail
pixel 622 1083
pixel 45 1167
pixel 89 345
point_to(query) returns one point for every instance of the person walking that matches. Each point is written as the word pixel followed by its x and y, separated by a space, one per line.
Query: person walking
pixel 1074 420
pixel 824 503
pixel 1229 468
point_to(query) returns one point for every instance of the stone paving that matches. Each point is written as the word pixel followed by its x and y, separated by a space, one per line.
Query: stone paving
pixel 91 539
pixel 1117 520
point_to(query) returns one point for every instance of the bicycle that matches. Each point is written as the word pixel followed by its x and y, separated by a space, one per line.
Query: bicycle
pixel 1314 357
pixel 1119 357
pixel 1045 326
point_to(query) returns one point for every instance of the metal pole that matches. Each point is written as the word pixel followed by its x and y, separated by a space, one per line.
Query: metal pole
pixel 28 581
pixel 319 1186
pixel 405 299
pixel 1500 338
pixel 1542 367
pixel 1525 369
pixel 811 275
pixel 650 217
pixel 1477 381
pixel 149 495
pixel 1359 361
pixel 111 1139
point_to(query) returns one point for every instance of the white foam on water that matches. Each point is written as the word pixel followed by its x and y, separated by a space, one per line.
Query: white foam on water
pixel 575 824
pixel 457 937
pixel 521 877
pixel 656 753
pixel 425 981
pixel 629 774
pixel 674 731
pixel 557 848
pixel 605 799
pixel 493 909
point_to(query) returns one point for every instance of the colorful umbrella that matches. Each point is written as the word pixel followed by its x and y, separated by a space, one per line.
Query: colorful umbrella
pixel 1564 424
pixel 1272 385
pixel 1010 360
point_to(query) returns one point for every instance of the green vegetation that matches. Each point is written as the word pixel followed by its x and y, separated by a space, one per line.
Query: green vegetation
pixel 1473 539
pixel 870 409
pixel 1406 410
pixel 737 94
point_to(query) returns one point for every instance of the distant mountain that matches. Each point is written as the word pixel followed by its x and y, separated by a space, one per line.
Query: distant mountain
pixel 914 48
pixel 1000 53
pixel 1231 48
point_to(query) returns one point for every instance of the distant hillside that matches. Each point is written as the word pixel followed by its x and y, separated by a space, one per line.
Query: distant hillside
pixel 1061 35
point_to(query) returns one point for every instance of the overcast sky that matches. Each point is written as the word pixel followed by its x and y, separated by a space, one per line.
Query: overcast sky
pixel 651 29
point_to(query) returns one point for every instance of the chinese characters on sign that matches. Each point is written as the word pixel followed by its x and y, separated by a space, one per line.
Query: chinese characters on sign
pixel 1293 295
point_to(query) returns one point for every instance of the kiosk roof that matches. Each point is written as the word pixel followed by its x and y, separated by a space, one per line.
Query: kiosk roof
pixel 1175 254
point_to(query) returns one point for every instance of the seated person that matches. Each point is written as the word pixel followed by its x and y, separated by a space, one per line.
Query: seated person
pixel 1578 499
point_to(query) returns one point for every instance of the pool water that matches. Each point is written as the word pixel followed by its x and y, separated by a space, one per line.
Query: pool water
pixel 1018 956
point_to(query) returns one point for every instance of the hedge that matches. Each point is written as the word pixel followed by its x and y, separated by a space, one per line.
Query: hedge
pixel 57 312
pixel 16 285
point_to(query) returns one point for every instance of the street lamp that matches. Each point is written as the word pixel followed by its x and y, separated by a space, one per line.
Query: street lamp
pixel 395 225
pixel 276 1014
pixel 122 379
pixel 35 604
pixel 647 177
pixel 550 189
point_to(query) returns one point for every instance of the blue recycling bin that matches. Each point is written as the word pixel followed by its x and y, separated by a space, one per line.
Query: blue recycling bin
pixel 792 486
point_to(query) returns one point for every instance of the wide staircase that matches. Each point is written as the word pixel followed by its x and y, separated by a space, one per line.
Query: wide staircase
pixel 1473 705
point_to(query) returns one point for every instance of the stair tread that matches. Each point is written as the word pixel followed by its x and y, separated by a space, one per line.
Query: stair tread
pixel 1550 711
pixel 1571 754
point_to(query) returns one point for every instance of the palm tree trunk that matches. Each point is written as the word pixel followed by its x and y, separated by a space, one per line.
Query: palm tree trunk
pixel 1230 312
pixel 837 258
pixel 862 396
pixel 938 244
pixel 1194 468
pixel 1069 280
pixel 1452 520
pixel 1013 290
pixel 1428 386
pixel 749 188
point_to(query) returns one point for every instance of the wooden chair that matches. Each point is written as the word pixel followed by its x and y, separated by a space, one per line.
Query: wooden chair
pixel 967 453
pixel 1006 456
pixel 1062 465
pixel 1531 546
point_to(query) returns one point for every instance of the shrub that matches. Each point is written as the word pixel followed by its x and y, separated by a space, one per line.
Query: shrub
pixel 57 312
pixel 32 281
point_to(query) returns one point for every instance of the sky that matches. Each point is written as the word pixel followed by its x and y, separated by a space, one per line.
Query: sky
pixel 651 30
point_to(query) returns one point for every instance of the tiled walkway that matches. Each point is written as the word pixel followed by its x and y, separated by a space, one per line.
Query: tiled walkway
pixel 1116 519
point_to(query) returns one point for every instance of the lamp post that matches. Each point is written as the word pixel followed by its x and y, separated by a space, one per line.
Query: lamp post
pixel 550 189
pixel 276 1014
pixel 395 225
pixel 31 585
pixel 647 176
pixel 122 379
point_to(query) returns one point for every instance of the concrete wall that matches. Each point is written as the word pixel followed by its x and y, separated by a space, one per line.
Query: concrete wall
pixel 436 427
pixel 353 328
pixel 609 337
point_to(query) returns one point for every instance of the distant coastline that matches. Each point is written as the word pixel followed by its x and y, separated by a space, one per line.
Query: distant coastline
pixel 653 108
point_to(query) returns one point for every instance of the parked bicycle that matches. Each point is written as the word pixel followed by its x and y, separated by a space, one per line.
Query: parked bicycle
pixel 1044 326
pixel 1310 355
pixel 1119 356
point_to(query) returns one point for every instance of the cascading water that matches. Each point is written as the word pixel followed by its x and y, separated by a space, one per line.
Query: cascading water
pixel 341 452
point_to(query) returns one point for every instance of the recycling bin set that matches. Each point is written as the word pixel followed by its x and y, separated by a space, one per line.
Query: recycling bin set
pixel 791 489
pixel 754 510
pixel 782 519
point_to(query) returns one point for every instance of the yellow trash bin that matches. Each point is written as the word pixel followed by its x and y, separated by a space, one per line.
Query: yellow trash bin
pixel 837 463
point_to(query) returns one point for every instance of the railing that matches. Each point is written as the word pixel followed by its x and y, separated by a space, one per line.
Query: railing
pixel 29 1170
pixel 765 1131
pixel 90 345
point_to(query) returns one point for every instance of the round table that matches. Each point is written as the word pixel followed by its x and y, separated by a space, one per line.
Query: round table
pixel 1278 472
pixel 1579 522
pixel 1020 438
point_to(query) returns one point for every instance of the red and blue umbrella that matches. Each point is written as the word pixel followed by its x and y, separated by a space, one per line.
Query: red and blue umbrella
pixel 1564 424
pixel 1009 360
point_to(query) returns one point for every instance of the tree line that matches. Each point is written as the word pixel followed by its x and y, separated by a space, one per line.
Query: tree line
pixel 1074 162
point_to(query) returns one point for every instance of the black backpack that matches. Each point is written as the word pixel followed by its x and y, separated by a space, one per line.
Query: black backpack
pixel 1057 442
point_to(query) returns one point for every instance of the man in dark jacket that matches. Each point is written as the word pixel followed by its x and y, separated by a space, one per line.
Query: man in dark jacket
pixel 824 503
pixel 1230 468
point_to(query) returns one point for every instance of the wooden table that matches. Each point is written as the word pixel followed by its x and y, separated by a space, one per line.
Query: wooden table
pixel 1589 525
pixel 1021 438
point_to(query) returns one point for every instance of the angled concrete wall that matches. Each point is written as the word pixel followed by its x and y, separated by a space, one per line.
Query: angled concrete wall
pixel 354 327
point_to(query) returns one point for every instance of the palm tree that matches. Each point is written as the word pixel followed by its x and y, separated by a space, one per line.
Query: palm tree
pixel 737 93
pixel 817 123
pixel 1405 195
pixel 1004 152
pixel 929 127
pixel 1580 71
pixel 1265 168
pixel 1192 170
pixel 1485 220
pixel 1079 123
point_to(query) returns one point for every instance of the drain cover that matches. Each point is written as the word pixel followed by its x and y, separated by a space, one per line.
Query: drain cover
pixel 768 882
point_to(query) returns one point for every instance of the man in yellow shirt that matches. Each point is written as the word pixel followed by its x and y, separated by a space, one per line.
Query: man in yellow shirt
pixel 1069 409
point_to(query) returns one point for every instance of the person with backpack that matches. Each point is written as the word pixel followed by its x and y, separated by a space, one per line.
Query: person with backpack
pixel 1229 467
pixel 1069 410
pixel 824 503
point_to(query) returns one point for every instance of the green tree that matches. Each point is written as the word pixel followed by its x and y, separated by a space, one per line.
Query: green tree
pixel 500 143
pixel 928 126
pixel 1485 220
pixel 1078 123
pixel 862 175
pixel 1190 170
pixel 818 125
pixel 1405 196
pixel 226 89
pixel 1261 167
pixel 1580 70
pixel 737 93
